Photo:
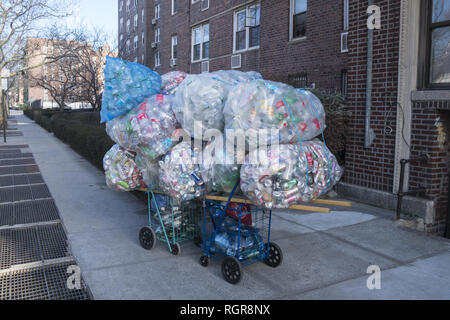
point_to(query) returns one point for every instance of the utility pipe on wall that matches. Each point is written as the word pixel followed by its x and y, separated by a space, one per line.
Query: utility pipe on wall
pixel 368 136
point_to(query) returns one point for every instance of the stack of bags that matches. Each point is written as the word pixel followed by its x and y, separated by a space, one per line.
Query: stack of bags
pixel 146 115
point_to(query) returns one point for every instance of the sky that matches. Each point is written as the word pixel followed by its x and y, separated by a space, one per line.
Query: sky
pixel 100 13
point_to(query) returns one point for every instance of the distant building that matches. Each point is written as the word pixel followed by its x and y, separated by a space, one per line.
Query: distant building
pixel 303 42
pixel 38 49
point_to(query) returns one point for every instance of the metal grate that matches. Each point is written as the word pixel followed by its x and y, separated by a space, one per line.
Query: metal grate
pixel 57 277
pixel 17 162
pixel 24 246
pixel 53 241
pixel 6 181
pixel 5 259
pixel 6 195
pixel 22 146
pixel 27 284
pixel 6 215
pixel 21 246
pixel 35 178
pixel 40 191
pixel 35 211
pixel 22 193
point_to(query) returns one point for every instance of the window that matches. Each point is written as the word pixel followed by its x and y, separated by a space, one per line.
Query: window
pixel 204 5
pixel 298 80
pixel 346 15
pixel 157 59
pixel 121 24
pixel 247 28
pixel 157 11
pixel 157 35
pixel 200 43
pixel 143 37
pixel 435 71
pixel 128 45
pixel 121 5
pixel 298 18
pixel 136 40
pixel 174 47
pixel 174 6
pixel 135 21
pixel 121 38
pixel 128 25
pixel 128 5
pixel 135 5
pixel 143 59
pixel 143 15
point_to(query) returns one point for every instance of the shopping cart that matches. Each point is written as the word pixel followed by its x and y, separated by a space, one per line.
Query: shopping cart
pixel 240 233
pixel 170 222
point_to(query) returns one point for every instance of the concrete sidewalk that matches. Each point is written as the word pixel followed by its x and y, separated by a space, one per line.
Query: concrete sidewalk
pixel 325 256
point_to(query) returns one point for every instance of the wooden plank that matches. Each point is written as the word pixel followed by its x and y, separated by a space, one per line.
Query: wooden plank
pixel 244 201
pixel 333 202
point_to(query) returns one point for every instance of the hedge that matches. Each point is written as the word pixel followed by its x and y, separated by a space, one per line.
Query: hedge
pixel 89 141
pixel 82 133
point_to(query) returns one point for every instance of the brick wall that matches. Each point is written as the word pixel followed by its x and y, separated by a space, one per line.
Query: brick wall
pixel 430 128
pixel 318 55
pixel 373 167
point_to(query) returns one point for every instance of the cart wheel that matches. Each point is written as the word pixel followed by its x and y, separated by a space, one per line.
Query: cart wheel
pixel 147 238
pixel 275 255
pixel 231 270
pixel 176 249
pixel 204 261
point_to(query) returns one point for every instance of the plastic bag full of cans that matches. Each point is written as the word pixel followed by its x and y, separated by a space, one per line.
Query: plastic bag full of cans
pixel 290 174
pixel 179 173
pixel 147 129
pixel 121 171
pixel 297 115
pixel 201 98
pixel 219 170
pixel 127 84
pixel 171 81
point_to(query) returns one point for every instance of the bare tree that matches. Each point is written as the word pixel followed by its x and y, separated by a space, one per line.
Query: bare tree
pixel 59 74
pixel 91 61
pixel 18 18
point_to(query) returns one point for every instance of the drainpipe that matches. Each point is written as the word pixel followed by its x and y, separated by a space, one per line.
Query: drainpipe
pixel 368 137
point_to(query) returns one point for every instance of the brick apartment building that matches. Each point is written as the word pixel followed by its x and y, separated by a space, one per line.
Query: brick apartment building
pixel 407 110
pixel 38 50
pixel 295 41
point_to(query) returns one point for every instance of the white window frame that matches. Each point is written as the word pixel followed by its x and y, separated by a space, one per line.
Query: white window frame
pixel 206 8
pixel 128 45
pixel 247 28
pixel 143 15
pixel 157 11
pixel 158 35
pixel 121 24
pixel 346 15
pixel 121 6
pixel 143 37
pixel 291 21
pixel 157 59
pixel 135 3
pixel 202 26
pixel 135 21
pixel 136 42
pixel 128 25
pixel 172 7
pixel 128 5
pixel 174 42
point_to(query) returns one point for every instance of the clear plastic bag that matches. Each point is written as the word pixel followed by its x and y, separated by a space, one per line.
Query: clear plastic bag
pixel 147 129
pixel 201 98
pixel 171 81
pixel 297 115
pixel 218 168
pixel 121 171
pixel 149 170
pixel 127 84
pixel 291 174
pixel 180 175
